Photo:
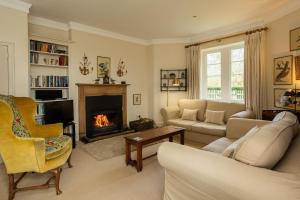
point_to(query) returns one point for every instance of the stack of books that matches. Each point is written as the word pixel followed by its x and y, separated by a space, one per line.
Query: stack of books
pixel 49 81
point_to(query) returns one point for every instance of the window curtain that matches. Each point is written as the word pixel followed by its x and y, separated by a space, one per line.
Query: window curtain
pixel 255 73
pixel 192 61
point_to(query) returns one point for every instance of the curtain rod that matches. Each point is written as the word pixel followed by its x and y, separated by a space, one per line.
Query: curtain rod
pixel 226 37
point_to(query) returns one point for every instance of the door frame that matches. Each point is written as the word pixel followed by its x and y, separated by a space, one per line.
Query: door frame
pixel 11 66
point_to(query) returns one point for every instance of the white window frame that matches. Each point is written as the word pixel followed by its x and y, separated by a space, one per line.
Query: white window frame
pixel 225 51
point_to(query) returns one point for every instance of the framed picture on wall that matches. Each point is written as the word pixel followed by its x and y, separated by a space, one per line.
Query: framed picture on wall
pixel 283 70
pixel 281 100
pixel 297 67
pixel 103 66
pixel 137 99
pixel 295 39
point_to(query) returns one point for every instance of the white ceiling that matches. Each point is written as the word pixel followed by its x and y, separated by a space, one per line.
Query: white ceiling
pixel 156 19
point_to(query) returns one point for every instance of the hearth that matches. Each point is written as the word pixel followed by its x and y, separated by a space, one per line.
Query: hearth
pixel 103 115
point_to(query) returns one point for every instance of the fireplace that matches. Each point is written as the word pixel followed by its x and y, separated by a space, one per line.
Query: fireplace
pixel 102 110
pixel 103 115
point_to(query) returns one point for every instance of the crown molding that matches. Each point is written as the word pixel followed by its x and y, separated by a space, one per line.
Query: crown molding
pixel 171 40
pixel 48 23
pixel 282 11
pixel 16 4
pixel 102 32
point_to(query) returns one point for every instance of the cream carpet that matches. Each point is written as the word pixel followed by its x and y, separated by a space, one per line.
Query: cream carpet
pixel 90 179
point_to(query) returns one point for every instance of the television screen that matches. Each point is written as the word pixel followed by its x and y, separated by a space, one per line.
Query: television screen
pixel 59 112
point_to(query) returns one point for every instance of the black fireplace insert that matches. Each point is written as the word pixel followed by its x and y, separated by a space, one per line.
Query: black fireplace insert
pixel 103 115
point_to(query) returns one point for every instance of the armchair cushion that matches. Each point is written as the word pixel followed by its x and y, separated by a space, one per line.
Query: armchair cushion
pixel 18 126
pixel 56 146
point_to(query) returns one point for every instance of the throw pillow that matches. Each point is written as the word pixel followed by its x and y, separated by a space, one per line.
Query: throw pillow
pixel 266 146
pixel 215 117
pixel 188 114
pixel 231 149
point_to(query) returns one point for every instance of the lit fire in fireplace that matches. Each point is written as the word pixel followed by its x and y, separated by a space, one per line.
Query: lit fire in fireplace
pixel 101 121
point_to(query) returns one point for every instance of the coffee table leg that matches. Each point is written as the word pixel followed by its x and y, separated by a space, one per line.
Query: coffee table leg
pixel 128 152
pixel 182 138
pixel 139 157
pixel 171 139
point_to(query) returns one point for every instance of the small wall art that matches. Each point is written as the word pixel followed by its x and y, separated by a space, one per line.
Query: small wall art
pixel 283 70
pixel 137 99
pixel 295 39
pixel 84 66
pixel 103 66
pixel 297 67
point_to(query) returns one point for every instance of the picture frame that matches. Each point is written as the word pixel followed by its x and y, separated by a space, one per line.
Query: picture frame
pixel 297 67
pixel 137 99
pixel 295 39
pixel 291 102
pixel 283 70
pixel 103 66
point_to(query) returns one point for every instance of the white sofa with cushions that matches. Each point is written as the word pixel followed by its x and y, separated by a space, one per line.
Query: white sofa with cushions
pixel 199 130
pixel 264 163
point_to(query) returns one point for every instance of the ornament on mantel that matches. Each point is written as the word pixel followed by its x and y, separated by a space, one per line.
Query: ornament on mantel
pixel 122 71
pixel 84 66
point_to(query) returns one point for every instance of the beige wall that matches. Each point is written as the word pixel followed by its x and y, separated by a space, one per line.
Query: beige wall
pixel 14 30
pixel 278 45
pixel 165 56
pixel 135 57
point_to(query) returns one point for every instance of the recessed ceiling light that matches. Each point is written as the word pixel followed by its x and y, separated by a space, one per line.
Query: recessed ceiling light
pixel 194 16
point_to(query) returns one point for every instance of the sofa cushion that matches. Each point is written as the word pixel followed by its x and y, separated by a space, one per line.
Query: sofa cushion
pixel 187 124
pixel 229 108
pixel 290 163
pixel 288 117
pixel 219 145
pixel 193 104
pixel 215 117
pixel 56 146
pixel 209 129
pixel 231 149
pixel 266 146
pixel 189 114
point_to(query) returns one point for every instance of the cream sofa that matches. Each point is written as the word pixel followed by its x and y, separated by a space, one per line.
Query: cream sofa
pixel 199 130
pixel 193 174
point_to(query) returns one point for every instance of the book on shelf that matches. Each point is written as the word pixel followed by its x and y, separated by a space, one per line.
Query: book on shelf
pixel 53 60
pixel 48 47
pixel 49 81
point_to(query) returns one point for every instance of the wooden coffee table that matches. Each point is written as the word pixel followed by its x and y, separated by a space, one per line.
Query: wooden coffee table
pixel 142 138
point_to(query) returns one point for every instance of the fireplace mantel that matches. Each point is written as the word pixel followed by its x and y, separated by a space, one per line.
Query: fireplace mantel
pixel 85 89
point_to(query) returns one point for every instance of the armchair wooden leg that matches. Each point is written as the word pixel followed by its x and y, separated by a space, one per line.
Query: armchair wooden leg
pixel 69 161
pixel 57 173
pixel 11 191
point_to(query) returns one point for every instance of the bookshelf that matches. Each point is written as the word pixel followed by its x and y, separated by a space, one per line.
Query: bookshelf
pixel 49 70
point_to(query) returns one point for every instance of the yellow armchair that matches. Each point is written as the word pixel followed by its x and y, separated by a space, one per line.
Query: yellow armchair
pixel 35 153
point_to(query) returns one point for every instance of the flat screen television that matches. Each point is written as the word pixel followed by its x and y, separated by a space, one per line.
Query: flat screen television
pixel 59 112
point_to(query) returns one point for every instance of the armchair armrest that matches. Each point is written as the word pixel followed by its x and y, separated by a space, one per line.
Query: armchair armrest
pixel 248 114
pixel 197 174
pixel 170 112
pixel 48 130
pixel 24 154
pixel 238 127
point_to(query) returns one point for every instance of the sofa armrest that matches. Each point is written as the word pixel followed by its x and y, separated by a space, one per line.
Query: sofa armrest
pixel 247 114
pixel 171 112
pixel 197 174
pixel 48 130
pixel 238 127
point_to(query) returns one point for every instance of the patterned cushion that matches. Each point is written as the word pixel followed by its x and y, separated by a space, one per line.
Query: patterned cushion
pixel 56 146
pixel 18 126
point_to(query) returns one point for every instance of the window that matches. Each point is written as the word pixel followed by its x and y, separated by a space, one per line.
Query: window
pixel 223 73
